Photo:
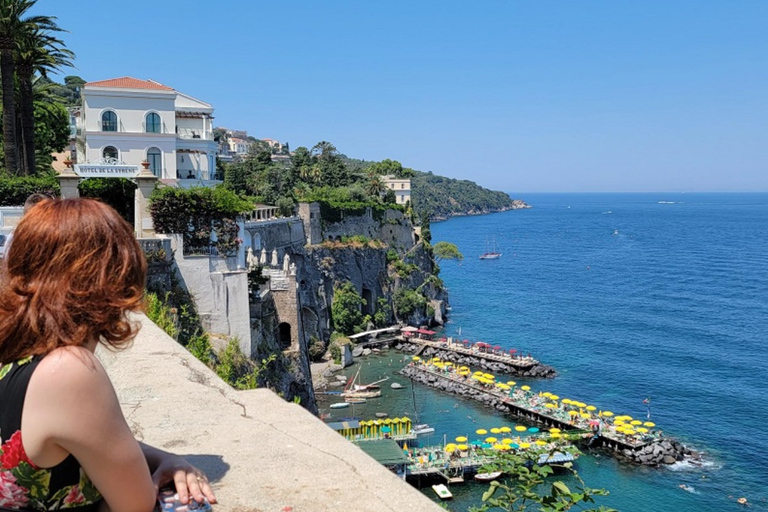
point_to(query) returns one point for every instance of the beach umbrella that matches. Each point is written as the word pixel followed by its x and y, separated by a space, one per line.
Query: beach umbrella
pixel 506 440
pixel 525 388
pixel 521 428
pixel 462 447
pixel 533 430
pixel 636 422
pixel 565 401
pixel 461 439
pixel 476 442
pixel 649 424
pixel 555 435
pixel 591 408
pixel 642 430
pixel 555 430
pixel 490 440
pixel 450 448
pixel 514 445
pixel 448 363
pixel 540 442
pixel 584 415
pixel 573 413
pixel 554 397
pixel 485 445
pixel 547 394
pixel 607 414
pixel 481 431
pixel 495 431
pixel 505 429
pixel 504 447
pixel 436 359
pixel 550 406
pixel 525 446
pixel 488 376
pixel 511 383
pixel 416 358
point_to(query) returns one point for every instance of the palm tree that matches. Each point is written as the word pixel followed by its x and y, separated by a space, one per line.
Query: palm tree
pixel 13 21
pixel 40 52
pixel 375 186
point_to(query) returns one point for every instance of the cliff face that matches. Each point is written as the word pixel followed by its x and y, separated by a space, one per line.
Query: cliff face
pixel 293 311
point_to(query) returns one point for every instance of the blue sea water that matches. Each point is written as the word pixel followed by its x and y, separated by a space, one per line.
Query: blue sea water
pixel 628 296
pixel 633 296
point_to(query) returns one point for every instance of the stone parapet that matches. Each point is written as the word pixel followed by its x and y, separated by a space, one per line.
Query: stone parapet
pixel 260 452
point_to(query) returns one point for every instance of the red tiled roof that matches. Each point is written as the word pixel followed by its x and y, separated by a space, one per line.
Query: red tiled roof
pixel 127 82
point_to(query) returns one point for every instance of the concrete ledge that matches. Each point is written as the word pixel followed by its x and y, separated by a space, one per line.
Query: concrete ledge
pixel 261 452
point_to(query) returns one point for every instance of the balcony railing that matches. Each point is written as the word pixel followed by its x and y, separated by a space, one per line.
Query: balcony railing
pixel 193 133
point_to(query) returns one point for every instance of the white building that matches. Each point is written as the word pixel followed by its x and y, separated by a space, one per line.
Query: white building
pixel 400 186
pixel 239 147
pixel 131 121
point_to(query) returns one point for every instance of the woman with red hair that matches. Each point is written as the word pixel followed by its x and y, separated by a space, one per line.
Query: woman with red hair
pixel 68 283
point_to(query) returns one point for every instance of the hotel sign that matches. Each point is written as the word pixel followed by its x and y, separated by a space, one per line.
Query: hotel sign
pixel 106 170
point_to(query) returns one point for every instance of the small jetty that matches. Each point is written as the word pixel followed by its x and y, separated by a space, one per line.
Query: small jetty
pixel 357 431
pixel 479 354
pixel 622 436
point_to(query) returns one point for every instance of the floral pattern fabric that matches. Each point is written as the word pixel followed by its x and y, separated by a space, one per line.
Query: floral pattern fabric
pixel 24 486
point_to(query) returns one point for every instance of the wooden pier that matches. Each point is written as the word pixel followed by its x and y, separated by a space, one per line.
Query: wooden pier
pixel 520 363
pixel 519 408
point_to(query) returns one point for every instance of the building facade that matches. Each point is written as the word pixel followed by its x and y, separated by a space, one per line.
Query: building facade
pixel 129 121
pixel 400 186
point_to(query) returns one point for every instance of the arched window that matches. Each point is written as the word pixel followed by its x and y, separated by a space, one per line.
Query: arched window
pixel 109 121
pixel 155 159
pixel 152 124
pixel 109 152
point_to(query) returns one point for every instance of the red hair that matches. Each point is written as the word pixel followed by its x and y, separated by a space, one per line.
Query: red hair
pixel 72 273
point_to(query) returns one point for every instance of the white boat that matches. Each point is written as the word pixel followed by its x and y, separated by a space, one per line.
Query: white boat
pixel 491 251
pixel 396 385
pixel 340 405
pixel 351 400
pixel 422 429
pixel 487 477
pixel 442 491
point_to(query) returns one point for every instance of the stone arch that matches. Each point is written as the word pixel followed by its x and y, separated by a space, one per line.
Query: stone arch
pixel 369 306
pixel 284 335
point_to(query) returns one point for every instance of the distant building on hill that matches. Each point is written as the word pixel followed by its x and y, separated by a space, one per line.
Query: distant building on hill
pixel 129 121
pixel 400 186
pixel 238 147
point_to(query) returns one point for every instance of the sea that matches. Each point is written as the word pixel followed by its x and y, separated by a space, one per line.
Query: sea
pixel 659 298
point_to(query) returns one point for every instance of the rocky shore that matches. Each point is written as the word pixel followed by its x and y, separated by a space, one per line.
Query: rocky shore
pixel 661 451
pixel 535 371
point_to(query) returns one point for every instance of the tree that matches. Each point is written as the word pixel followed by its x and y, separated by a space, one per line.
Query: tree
pixel 37 52
pixel 446 251
pixel 346 309
pixel 375 186
pixel 13 22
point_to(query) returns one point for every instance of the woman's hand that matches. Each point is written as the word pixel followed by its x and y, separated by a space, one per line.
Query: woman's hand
pixel 187 479
pixel 168 468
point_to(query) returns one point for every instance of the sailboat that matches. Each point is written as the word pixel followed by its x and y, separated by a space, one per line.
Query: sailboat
pixel 491 251
pixel 355 390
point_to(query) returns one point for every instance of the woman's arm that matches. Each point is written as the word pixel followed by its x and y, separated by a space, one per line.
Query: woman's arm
pixel 71 408
pixel 167 467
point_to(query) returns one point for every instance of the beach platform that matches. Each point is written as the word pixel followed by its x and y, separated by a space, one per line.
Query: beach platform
pixel 521 363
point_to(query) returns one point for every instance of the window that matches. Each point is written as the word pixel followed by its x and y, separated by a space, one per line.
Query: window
pixel 155 159
pixel 109 152
pixel 109 121
pixel 152 124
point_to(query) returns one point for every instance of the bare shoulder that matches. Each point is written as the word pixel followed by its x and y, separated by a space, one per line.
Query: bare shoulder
pixel 70 366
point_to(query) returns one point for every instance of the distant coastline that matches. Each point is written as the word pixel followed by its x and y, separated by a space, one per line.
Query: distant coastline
pixel 517 204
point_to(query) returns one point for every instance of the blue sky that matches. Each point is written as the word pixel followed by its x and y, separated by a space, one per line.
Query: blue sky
pixel 523 96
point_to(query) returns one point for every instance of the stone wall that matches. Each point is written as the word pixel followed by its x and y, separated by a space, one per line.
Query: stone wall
pixel 260 452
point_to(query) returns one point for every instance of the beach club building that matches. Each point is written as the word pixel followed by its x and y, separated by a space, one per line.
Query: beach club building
pixel 138 122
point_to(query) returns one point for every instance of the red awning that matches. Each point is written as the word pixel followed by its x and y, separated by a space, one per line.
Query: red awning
pixel 425 331
pixel 497 347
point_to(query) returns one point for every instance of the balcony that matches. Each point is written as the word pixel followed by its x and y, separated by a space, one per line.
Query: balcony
pixel 190 133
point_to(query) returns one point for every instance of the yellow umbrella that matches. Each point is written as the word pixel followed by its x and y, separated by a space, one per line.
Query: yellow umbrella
pixel 450 449
pixel 505 429
pixel 649 424
pixel 555 430
pixel 547 394
pixel 565 401
pixel 511 383
pixel 525 446
pixel 556 435
pixel 448 363
pixel 462 368
pixel 554 397
pixel 481 431
pixel 462 447
pixel 461 439
pixel 495 431
pixel 573 413
pixel 490 440
pixel 504 447
pixel 478 372
pixel 525 388
pixel 507 440
pixel 488 376
pixel 607 414
pixel 521 428
pixel 540 442
pixel 436 359
pixel 591 408
pixel 416 358
pixel 502 386
pixel 585 415
pixel 450 445
pixel 550 406
pixel 636 422
pixel 642 430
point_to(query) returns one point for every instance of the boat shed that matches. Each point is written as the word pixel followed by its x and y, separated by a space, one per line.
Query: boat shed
pixel 386 452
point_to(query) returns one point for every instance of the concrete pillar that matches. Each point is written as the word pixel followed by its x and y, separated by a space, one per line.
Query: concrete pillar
pixel 146 182
pixel 68 182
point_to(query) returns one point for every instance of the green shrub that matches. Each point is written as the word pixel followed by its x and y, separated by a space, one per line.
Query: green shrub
pixel 407 301
pixel 162 314
pixel 346 308
pixel 316 348
pixel 14 190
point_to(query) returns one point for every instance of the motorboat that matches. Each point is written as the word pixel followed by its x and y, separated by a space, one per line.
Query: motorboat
pixel 422 429
pixel 487 477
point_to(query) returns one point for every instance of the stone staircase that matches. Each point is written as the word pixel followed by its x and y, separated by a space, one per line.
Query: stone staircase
pixel 278 279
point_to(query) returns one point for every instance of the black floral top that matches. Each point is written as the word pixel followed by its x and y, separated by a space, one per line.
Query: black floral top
pixel 24 486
